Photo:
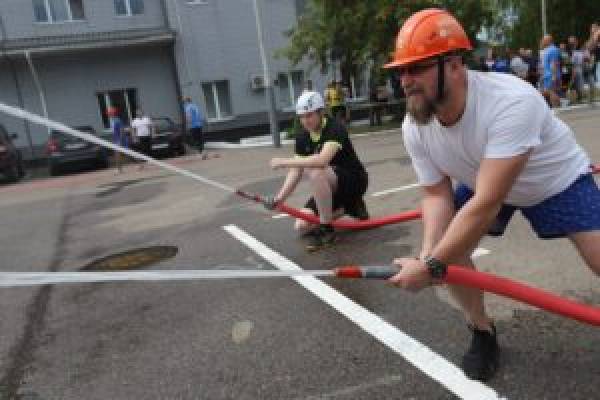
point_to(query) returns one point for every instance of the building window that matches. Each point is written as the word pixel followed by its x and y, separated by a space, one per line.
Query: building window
pixel 124 100
pixel 129 7
pixel 358 85
pixel 218 100
pixel 58 10
pixel 290 87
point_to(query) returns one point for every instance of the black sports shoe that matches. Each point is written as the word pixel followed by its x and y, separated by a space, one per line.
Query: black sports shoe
pixel 322 236
pixel 358 210
pixel 481 360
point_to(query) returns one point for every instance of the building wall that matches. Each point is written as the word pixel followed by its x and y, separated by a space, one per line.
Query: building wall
pixel 71 83
pixel 100 16
pixel 218 41
pixel 9 95
pixel 215 40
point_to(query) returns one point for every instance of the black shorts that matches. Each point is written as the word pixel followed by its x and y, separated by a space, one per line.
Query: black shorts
pixel 338 110
pixel 351 187
pixel 197 138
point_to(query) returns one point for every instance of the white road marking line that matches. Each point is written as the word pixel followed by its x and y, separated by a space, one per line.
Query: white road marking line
pixel 432 364
pixel 394 190
pixel 480 252
pixel 278 216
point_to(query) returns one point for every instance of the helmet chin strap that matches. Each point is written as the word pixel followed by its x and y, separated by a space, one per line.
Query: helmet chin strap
pixel 440 88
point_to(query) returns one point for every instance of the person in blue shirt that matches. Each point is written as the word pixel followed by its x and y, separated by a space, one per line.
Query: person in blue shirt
pixel 501 64
pixel 551 66
pixel 194 122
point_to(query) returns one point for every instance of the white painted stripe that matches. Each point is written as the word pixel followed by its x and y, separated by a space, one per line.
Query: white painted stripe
pixel 279 216
pixel 480 252
pixel 574 107
pixel 413 351
pixel 394 190
pixel 375 133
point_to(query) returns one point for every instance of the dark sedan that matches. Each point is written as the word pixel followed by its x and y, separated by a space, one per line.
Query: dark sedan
pixel 65 150
pixel 167 138
pixel 11 162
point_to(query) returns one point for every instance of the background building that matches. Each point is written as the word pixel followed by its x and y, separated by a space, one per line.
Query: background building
pixel 71 59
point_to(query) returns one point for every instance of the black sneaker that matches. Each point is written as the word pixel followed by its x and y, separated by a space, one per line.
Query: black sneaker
pixel 322 236
pixel 481 360
pixel 358 210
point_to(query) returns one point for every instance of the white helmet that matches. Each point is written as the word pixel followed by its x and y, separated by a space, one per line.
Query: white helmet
pixel 308 102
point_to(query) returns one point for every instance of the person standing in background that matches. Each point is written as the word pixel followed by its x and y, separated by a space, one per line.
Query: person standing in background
pixel 533 71
pixel 579 56
pixel 194 122
pixel 142 129
pixel 335 102
pixel 518 66
pixel 119 136
pixel 490 59
pixel 551 67
pixel 593 46
pixel 502 62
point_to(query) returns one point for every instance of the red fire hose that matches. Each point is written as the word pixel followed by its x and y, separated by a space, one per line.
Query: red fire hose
pixel 353 224
pixel 491 283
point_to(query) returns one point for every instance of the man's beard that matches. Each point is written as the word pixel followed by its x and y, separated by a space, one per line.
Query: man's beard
pixel 422 109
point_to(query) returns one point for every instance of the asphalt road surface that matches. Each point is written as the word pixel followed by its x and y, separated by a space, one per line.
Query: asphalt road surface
pixel 269 338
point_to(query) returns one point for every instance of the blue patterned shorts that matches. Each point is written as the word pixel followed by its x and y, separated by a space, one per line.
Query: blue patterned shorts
pixel 576 209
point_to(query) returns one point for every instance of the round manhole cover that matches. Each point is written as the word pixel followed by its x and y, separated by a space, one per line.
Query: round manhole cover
pixel 132 259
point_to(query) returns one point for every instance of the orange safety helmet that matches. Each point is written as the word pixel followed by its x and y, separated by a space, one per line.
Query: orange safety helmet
pixel 428 33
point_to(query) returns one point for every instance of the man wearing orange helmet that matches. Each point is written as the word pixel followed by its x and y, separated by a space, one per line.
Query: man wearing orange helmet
pixel 494 135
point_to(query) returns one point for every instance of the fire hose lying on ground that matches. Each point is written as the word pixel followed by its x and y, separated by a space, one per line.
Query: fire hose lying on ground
pixel 456 275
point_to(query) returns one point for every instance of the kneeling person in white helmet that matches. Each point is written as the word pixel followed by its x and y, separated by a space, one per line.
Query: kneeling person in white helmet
pixel 324 155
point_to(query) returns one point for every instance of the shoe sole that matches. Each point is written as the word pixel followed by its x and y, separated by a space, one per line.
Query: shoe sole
pixel 487 374
pixel 312 249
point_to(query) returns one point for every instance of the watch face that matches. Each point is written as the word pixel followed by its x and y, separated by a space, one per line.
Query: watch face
pixel 436 267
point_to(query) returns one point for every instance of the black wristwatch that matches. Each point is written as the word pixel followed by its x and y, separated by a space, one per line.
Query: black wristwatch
pixel 436 268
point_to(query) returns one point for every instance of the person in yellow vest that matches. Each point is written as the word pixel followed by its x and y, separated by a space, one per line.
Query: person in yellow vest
pixel 335 102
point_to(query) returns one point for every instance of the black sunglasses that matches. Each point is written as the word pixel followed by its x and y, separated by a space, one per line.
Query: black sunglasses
pixel 418 69
pixel 415 69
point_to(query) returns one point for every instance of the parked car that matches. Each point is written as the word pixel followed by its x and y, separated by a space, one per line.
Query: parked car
pixel 167 138
pixel 67 150
pixel 11 161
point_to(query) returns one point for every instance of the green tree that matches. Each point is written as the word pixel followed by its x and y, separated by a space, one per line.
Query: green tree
pixel 354 31
pixel 564 18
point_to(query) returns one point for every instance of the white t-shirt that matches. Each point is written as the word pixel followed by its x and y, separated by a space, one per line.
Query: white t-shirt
pixel 578 58
pixel 519 67
pixel 142 126
pixel 504 116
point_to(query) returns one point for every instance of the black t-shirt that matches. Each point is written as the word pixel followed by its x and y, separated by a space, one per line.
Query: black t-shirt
pixel 345 157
